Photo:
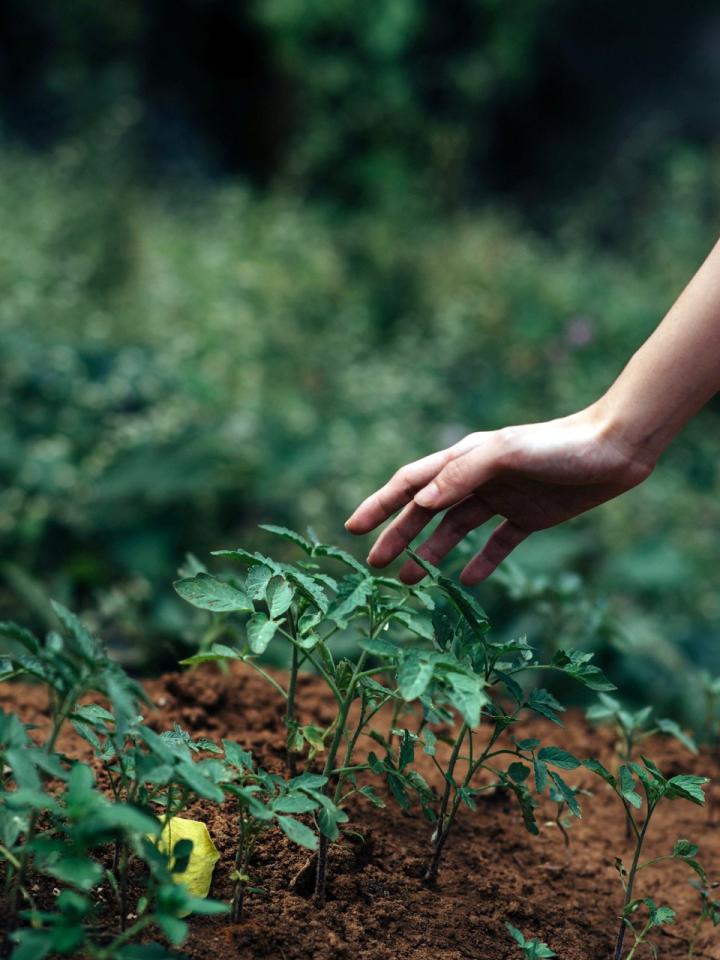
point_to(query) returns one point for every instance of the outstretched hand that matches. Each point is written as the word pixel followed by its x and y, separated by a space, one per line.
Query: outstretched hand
pixel 534 476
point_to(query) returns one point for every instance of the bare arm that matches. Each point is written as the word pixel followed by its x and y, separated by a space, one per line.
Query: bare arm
pixel 538 475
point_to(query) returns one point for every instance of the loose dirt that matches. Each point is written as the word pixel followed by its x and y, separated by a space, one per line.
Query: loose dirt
pixel 493 871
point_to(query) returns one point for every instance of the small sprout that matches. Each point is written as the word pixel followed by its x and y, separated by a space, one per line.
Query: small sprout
pixel 530 949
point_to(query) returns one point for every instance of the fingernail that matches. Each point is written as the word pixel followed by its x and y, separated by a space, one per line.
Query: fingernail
pixel 428 495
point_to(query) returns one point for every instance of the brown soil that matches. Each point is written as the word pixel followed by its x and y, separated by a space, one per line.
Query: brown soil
pixel 493 870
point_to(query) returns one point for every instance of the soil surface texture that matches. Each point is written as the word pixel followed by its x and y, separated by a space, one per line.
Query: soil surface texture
pixel 493 870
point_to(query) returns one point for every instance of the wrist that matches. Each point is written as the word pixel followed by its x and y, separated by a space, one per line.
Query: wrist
pixel 637 444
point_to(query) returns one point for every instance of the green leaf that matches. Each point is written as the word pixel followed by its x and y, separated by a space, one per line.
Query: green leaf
pixel 335 553
pixel 217 651
pixel 541 775
pixel 32 944
pixel 278 595
pixel 298 832
pixel 294 803
pixel 353 595
pixel 260 632
pixel 527 804
pixel 577 664
pixel 684 848
pixel 567 793
pixel 380 647
pixel 544 703
pixel 257 580
pixel 308 587
pixel 558 758
pixel 673 730
pixel 466 694
pixel 289 535
pixel 596 767
pixel 627 787
pixel 249 559
pixel 87 645
pixel 414 674
pixel 420 625
pixel 686 787
pixel 26 639
pixel 208 593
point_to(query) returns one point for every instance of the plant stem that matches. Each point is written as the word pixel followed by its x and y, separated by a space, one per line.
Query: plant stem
pixel 241 864
pixel 290 713
pixel 263 673
pixel 321 873
pixel 629 887
pixel 443 828
pixel 639 939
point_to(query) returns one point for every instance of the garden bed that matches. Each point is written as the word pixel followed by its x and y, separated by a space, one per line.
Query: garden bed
pixel 377 906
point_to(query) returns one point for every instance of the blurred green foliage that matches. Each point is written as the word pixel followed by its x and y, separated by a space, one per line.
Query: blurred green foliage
pixel 254 257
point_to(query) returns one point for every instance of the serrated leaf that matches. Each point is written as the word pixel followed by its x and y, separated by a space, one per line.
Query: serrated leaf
pixel 577 664
pixel 467 695
pixel 291 535
pixel 380 647
pixel 558 758
pixel 217 651
pixel 567 793
pixel 335 553
pixel 544 703
pixel 420 625
pixel 627 787
pixel 260 632
pixel 308 587
pixel 672 729
pixel 352 597
pixel 208 593
pixel 278 596
pixel 686 787
pixel 298 832
pixel 414 674
pixel 257 580
pixel 596 767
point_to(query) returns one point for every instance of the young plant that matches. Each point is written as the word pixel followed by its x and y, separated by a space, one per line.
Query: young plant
pixel 263 799
pixel 70 664
pixel 633 727
pixel 709 910
pixel 657 789
pixel 463 671
pixel 530 949
pixel 656 917
pixel 302 605
pixel 77 824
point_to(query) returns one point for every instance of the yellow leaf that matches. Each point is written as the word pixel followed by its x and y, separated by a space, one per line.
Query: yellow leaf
pixel 198 874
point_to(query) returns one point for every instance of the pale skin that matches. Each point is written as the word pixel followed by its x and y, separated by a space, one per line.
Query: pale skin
pixel 538 475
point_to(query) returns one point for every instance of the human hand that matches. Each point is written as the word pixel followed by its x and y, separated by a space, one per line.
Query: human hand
pixel 534 476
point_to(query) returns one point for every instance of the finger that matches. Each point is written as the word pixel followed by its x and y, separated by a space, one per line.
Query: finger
pixel 455 525
pixel 502 542
pixel 396 493
pixel 461 476
pixel 393 540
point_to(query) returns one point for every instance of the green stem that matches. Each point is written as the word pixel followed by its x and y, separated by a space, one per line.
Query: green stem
pixel 290 712
pixel 263 673
pixel 630 884
pixel 321 874
pixel 640 939
pixel 122 938
pixel 442 829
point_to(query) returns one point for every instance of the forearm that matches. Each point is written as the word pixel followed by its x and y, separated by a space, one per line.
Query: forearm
pixel 673 374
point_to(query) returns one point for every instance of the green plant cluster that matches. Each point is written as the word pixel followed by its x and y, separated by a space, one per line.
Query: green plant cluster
pixel 177 363
pixel 428 678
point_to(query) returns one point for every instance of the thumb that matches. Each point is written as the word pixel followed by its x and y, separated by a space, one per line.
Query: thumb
pixel 460 477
